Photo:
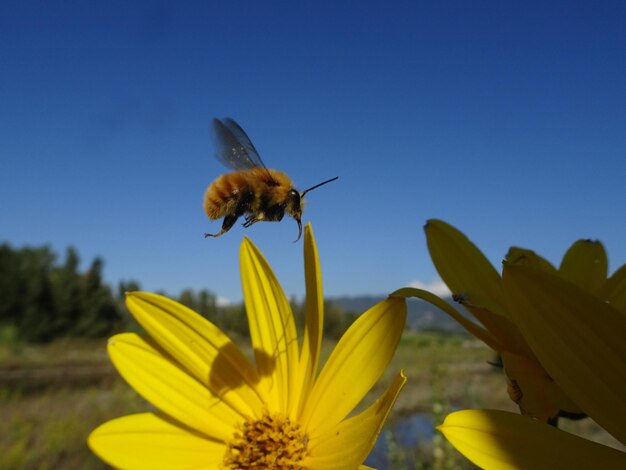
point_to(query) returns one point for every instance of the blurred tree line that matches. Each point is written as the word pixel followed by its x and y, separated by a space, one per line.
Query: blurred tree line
pixel 42 299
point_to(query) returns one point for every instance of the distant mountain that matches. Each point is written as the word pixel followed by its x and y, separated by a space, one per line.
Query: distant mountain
pixel 421 316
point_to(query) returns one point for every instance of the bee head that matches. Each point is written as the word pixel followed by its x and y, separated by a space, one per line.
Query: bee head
pixel 294 206
pixel 295 203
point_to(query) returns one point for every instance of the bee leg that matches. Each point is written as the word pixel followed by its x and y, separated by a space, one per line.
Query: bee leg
pixel 253 219
pixel 249 221
pixel 229 221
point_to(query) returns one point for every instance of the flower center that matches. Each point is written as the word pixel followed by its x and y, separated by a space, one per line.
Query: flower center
pixel 270 442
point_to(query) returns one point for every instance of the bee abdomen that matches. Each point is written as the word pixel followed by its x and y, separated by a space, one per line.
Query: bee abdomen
pixel 225 195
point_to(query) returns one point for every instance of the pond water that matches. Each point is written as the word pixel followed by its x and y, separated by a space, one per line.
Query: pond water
pixel 407 432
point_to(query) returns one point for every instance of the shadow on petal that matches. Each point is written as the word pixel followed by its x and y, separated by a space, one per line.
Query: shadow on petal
pixel 225 375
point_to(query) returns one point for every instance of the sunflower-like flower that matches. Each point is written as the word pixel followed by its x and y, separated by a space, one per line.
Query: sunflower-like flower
pixel 476 285
pixel 577 335
pixel 217 410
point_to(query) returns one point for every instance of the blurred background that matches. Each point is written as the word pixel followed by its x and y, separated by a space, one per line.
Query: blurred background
pixel 506 120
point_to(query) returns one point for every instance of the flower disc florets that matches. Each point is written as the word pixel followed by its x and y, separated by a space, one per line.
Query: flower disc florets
pixel 272 441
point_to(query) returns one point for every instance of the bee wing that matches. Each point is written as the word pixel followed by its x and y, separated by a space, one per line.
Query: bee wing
pixel 234 147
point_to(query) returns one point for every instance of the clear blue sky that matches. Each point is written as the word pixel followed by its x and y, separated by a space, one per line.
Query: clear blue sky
pixel 506 120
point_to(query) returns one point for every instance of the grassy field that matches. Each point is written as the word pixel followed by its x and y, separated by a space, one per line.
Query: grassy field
pixel 52 396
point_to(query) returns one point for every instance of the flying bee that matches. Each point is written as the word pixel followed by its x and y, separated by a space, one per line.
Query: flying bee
pixel 252 189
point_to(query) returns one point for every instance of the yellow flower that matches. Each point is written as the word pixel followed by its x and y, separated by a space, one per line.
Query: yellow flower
pixel 217 410
pixel 478 287
pixel 501 440
pixel 579 339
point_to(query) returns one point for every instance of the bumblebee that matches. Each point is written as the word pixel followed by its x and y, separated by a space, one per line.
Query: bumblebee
pixel 253 190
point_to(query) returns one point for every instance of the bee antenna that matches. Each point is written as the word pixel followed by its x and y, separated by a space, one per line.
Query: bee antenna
pixel 318 185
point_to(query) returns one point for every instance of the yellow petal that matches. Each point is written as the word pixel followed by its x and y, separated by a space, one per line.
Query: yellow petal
pixel 461 265
pixel 200 347
pixel 471 327
pixel 508 334
pixel 152 441
pixel 502 440
pixel 314 320
pixel 272 329
pixel 530 258
pixel 169 388
pixel 578 338
pixel 349 443
pixel 528 385
pixel 585 265
pixel 356 363
pixel 614 291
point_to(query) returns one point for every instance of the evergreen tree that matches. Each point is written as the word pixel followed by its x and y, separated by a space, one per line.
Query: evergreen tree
pixel 99 315
pixel 66 292
pixel 10 285
pixel 207 305
pixel 36 315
